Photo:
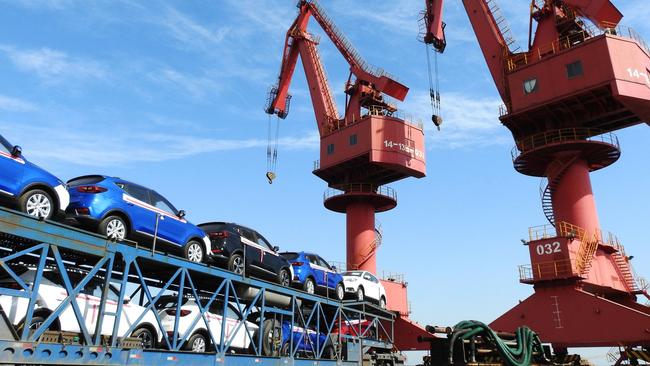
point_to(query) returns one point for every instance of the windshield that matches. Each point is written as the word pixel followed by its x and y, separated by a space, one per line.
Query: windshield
pixel 353 273
pixel 289 256
pixel 6 143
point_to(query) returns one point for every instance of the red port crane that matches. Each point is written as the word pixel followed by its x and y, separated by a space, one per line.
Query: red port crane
pixel 360 151
pixel 582 77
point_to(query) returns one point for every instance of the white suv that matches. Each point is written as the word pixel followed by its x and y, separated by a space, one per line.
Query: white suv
pixel 363 286
pixel 51 294
pixel 199 338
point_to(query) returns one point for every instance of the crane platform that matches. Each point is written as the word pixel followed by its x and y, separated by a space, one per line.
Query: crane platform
pixel 139 275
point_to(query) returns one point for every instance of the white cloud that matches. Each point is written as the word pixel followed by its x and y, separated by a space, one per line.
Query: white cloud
pixel 197 86
pixel 110 146
pixel 53 66
pixel 468 121
pixel 16 105
pixel 188 31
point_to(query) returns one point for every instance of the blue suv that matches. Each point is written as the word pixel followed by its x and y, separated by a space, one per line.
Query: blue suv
pixel 313 274
pixel 120 209
pixel 29 187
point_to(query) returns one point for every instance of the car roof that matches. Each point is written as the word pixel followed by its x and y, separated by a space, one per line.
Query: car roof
pixel 226 223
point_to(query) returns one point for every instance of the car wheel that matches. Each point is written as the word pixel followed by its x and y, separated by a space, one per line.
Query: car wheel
pixel 194 251
pixel 309 286
pixel 37 203
pixel 284 278
pixel 36 323
pixel 361 296
pixel 146 336
pixel 271 338
pixel 114 228
pixel 382 303
pixel 340 292
pixel 197 343
pixel 236 264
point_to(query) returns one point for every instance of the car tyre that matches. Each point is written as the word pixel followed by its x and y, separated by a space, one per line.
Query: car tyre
pixel 286 349
pixel 284 278
pixel 37 203
pixel 197 343
pixel 236 264
pixel 37 321
pixel 361 296
pixel 194 251
pixel 114 228
pixel 340 292
pixel 271 338
pixel 309 286
pixel 382 302
pixel 147 337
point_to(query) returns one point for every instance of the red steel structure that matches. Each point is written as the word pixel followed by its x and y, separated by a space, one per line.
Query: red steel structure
pixel 361 151
pixel 563 98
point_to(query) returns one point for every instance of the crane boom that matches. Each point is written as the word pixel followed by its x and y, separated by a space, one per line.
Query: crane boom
pixel 366 91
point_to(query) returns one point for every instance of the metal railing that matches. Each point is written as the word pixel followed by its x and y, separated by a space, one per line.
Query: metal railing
pixel 563 229
pixel 563 135
pixel 515 61
pixel 359 188
pixel 547 270
pixel 408 119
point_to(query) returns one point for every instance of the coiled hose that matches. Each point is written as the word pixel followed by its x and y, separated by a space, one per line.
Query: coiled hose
pixel 520 355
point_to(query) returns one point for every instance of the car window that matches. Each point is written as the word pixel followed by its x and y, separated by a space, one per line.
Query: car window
pixel 323 263
pixel 214 227
pixel 86 179
pixel 313 259
pixel 137 192
pixel 248 234
pixel 353 273
pixel 289 256
pixel 367 276
pixel 166 302
pixel 261 241
pixel 5 146
pixel 161 203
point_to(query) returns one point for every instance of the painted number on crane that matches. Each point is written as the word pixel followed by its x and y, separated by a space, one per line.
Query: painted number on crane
pixel 404 148
pixel 634 73
pixel 548 248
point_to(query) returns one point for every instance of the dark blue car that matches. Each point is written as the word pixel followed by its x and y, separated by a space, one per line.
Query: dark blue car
pixel 121 209
pixel 28 187
pixel 305 342
pixel 313 274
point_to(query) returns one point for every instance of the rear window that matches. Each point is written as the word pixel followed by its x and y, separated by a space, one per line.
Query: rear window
pixel 88 179
pixel 167 302
pixel 289 256
pixel 353 273
pixel 214 227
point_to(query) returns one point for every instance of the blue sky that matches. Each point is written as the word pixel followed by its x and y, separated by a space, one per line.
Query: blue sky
pixel 171 95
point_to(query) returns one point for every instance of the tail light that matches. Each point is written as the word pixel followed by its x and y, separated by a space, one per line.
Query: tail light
pixel 91 189
pixel 218 235
pixel 172 312
pixel 297 264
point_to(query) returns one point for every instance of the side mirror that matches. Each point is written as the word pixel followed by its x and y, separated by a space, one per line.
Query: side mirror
pixel 181 213
pixel 276 248
pixel 334 269
pixel 17 151
pixel 126 300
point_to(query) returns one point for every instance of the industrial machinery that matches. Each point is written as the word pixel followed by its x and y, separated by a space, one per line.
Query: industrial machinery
pixel 108 278
pixel 582 77
pixel 361 151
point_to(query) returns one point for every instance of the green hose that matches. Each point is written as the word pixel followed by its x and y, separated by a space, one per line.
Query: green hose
pixel 520 355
